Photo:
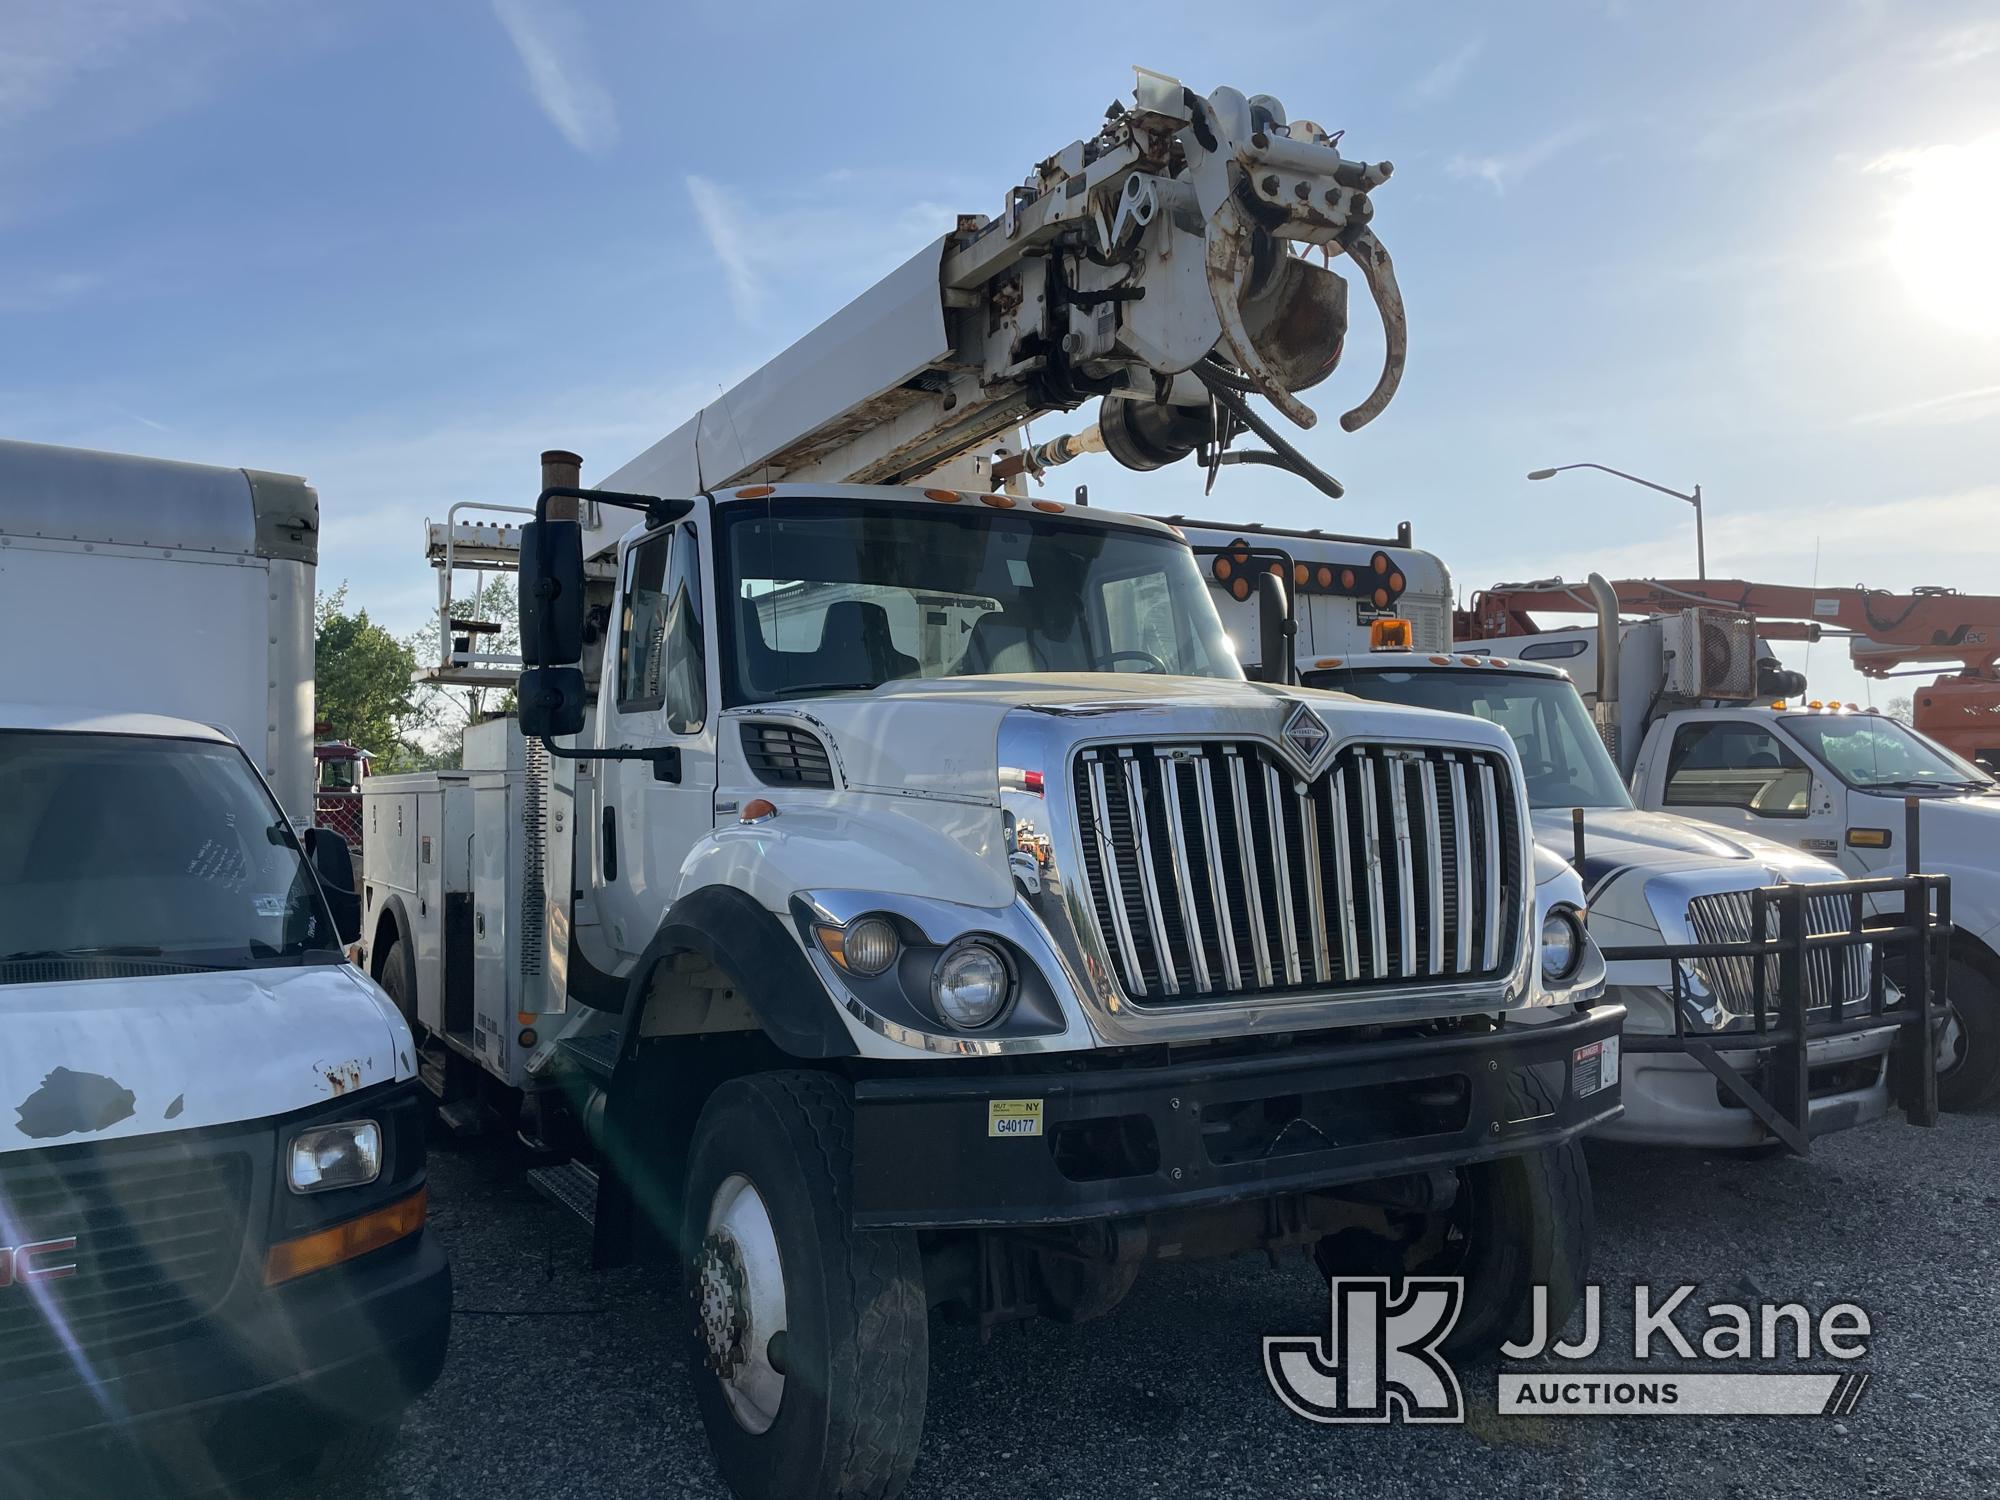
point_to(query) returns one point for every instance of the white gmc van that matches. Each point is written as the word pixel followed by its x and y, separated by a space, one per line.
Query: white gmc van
pixel 213 1252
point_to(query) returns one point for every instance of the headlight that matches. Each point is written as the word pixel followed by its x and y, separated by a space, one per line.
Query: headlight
pixel 970 984
pixel 865 946
pixel 335 1156
pixel 1562 943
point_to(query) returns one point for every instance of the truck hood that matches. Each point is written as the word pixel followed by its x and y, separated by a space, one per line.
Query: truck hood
pixel 113 1059
pixel 938 737
pixel 1617 840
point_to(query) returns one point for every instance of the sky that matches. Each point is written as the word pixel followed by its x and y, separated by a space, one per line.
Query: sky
pixel 401 249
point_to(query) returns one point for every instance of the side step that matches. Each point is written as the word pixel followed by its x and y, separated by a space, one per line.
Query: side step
pixel 570 1185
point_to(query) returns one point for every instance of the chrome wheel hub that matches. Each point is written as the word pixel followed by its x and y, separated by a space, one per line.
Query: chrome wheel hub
pixel 719 1304
pixel 1950 1041
pixel 737 1285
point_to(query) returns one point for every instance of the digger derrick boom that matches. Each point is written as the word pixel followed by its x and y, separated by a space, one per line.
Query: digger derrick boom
pixel 1158 264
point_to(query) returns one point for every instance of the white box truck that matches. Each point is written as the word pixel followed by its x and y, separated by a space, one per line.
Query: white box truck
pixel 182 589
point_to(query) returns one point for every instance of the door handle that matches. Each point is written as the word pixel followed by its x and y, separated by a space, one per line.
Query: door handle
pixel 610 853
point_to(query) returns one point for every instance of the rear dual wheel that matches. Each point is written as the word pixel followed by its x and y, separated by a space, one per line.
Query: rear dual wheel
pixel 808 1338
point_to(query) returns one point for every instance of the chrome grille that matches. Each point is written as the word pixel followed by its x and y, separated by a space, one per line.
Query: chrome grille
pixel 157 1247
pixel 1830 973
pixel 1212 870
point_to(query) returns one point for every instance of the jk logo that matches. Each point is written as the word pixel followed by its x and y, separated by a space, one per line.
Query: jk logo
pixel 1379 1360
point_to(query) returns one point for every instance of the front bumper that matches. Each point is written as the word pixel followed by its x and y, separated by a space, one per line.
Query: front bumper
pixel 1111 1142
pixel 1671 1099
pixel 243 1394
pixel 196 1393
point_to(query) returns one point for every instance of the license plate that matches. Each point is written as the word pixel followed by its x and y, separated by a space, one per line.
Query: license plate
pixel 1594 1066
pixel 1013 1117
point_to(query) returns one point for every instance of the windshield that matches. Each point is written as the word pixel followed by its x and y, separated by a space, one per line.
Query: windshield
pixel 1565 763
pixel 836 594
pixel 122 847
pixel 1870 750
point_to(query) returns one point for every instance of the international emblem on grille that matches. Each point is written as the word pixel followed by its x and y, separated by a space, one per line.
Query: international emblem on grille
pixel 1305 734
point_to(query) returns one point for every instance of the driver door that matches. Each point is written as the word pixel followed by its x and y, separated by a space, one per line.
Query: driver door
pixel 1737 771
pixel 657 691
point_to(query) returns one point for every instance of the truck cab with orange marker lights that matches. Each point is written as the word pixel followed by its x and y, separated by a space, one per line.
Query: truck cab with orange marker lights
pixel 916 903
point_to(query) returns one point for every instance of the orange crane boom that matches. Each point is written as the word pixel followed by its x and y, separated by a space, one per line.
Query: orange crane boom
pixel 1886 633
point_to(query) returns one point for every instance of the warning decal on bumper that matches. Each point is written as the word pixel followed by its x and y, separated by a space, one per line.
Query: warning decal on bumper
pixel 1594 1066
pixel 1013 1117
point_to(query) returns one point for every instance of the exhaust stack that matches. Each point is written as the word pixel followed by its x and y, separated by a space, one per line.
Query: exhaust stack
pixel 1609 643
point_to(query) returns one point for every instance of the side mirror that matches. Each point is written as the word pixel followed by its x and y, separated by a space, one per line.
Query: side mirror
pixel 549 700
pixel 551 593
pixel 1275 630
pixel 333 865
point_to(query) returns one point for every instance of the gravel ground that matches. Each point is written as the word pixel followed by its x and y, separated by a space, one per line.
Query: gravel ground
pixel 559 1384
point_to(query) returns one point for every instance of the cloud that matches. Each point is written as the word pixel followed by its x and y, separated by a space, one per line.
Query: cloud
pixel 48 48
pixel 814 239
pixel 734 246
pixel 549 38
pixel 1500 171
pixel 1955 46
pixel 1441 80
pixel 33 294
pixel 1980 403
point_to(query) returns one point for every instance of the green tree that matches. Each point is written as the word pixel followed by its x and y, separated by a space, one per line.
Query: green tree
pixel 362 684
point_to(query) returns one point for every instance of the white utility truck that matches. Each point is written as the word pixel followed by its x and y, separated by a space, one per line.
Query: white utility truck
pixel 1707 726
pixel 213 1253
pixel 182 589
pixel 930 913
pixel 1653 879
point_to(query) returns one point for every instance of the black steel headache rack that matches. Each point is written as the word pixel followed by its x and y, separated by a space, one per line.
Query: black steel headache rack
pixel 1813 962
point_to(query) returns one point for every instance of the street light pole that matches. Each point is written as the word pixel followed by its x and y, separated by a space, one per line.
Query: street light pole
pixel 1700 542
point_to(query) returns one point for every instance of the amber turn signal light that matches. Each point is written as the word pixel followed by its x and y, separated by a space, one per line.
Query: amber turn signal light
pixel 291 1259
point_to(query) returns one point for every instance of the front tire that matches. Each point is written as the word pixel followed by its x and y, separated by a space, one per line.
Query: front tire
pixel 1969 1049
pixel 1516 1224
pixel 808 1339
pixel 1528 1221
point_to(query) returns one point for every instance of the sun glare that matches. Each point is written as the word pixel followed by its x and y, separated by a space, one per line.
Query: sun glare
pixel 1947 230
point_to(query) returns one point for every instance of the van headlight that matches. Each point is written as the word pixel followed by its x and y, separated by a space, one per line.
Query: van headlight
pixel 348 1154
pixel 971 984
pixel 1562 943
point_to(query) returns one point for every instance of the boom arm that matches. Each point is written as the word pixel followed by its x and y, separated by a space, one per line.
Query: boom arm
pixel 1885 630
pixel 1156 266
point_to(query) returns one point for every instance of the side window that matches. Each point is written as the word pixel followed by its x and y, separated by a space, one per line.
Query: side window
pixel 662 659
pixel 1724 763
pixel 642 627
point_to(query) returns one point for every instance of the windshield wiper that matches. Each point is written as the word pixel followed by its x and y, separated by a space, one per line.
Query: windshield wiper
pixel 807 689
pixel 1922 784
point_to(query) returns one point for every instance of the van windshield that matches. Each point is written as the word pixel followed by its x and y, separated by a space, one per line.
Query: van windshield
pixel 1565 763
pixel 839 594
pixel 127 853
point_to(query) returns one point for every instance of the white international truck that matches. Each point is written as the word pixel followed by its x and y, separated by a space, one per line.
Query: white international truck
pixel 213 1253
pixel 1707 726
pixel 1374 620
pixel 925 911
